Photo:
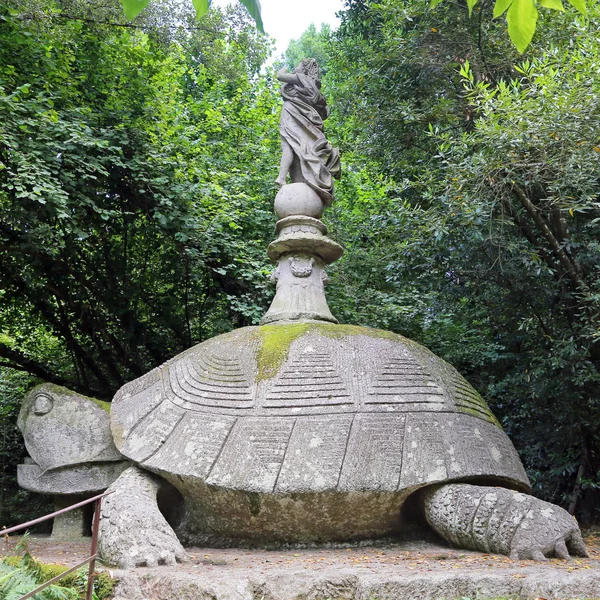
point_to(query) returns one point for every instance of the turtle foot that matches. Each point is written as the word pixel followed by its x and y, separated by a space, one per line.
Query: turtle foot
pixel 493 519
pixel 133 532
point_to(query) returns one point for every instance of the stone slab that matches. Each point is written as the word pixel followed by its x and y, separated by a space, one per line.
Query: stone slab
pixel 407 571
pixel 347 584
pixel 402 571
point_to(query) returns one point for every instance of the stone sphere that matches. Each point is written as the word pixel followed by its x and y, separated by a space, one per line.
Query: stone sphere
pixel 298 199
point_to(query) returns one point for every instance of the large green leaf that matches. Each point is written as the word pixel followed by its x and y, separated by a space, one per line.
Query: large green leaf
pixel 434 3
pixel 253 7
pixel 522 19
pixel 501 6
pixel 471 4
pixel 580 5
pixel 201 7
pixel 132 8
pixel 553 4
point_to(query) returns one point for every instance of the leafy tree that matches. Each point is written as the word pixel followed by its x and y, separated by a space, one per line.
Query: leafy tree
pixel 126 192
pixel 532 165
pixel 312 43
pixel 522 16
pixel 480 236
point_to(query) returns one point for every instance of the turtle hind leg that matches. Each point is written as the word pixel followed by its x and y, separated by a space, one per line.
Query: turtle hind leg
pixel 133 531
pixel 502 521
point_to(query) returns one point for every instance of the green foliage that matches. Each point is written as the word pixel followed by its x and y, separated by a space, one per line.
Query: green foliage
pixel 312 43
pixel 22 573
pixel 531 164
pixel 126 193
pixel 522 16
pixel 469 212
pixel 132 8
pixel 253 7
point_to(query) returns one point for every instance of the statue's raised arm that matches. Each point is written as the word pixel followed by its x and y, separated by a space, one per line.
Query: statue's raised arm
pixel 306 154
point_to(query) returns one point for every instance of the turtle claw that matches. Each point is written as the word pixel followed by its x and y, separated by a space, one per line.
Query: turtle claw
pixel 576 545
pixel 169 558
pixel 181 556
pixel 560 550
pixel 537 554
pixel 564 548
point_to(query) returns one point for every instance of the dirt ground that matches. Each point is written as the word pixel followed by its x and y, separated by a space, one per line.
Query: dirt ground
pixel 411 555
pixel 412 559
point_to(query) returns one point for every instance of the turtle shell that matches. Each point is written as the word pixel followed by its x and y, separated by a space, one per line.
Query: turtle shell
pixel 311 408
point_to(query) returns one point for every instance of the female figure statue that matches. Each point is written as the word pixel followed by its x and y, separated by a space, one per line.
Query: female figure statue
pixel 307 155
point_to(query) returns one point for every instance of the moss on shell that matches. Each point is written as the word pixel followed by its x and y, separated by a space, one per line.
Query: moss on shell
pixel 275 341
pixel 275 345
pixel 103 405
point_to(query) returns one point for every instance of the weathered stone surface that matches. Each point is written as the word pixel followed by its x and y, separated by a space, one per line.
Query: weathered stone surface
pixel 306 154
pixel 300 291
pixel 69 441
pixel 298 199
pixel 347 585
pixel 383 573
pixel 63 428
pixel 494 519
pixel 407 570
pixel 302 248
pixel 71 525
pixel 133 532
pixel 76 479
pixel 308 432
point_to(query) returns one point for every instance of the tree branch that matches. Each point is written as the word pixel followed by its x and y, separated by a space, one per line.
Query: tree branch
pixel 567 264
pixel 529 234
pixel 21 362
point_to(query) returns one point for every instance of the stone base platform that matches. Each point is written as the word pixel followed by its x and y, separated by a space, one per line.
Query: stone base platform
pixel 407 570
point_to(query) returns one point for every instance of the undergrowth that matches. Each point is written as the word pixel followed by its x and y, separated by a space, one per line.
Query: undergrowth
pixel 21 573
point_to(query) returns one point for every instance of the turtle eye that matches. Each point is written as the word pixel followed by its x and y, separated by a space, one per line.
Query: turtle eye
pixel 43 405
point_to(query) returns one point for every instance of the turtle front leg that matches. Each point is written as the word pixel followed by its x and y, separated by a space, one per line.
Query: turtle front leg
pixel 498 520
pixel 133 532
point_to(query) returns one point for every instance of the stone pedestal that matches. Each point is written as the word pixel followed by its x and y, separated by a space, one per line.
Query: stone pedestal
pixel 301 250
pixel 73 524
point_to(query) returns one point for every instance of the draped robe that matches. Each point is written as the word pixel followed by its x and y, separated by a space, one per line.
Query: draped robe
pixel 315 162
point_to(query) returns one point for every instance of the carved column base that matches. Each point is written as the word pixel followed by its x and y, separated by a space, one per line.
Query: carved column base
pixel 300 290
pixel 301 250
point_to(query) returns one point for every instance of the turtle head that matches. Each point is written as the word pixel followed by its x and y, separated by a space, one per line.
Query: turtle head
pixel 62 428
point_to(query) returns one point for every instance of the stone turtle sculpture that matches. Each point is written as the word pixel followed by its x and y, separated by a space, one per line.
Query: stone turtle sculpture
pixel 314 432
pixel 71 451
